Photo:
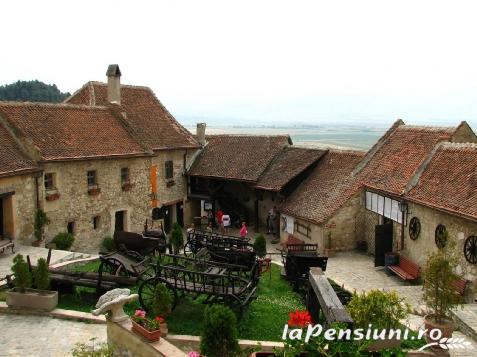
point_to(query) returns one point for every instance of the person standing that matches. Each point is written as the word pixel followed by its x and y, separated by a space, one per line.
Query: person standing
pixel 243 230
pixel 219 215
pixel 226 222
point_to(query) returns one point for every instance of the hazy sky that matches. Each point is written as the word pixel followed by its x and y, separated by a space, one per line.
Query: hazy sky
pixel 261 61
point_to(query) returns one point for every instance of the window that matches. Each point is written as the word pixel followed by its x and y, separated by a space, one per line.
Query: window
pixel 124 175
pixel 91 178
pixel 71 227
pixel 384 206
pixel 169 170
pixel 49 181
pixel 96 221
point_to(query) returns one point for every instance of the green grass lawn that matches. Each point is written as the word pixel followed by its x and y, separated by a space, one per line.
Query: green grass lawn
pixel 262 320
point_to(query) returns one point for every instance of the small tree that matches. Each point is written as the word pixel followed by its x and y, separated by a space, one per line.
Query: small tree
pixel 177 238
pixel 382 309
pixel 108 244
pixel 260 246
pixel 41 219
pixel 41 276
pixel 22 273
pixel 440 294
pixel 162 303
pixel 63 241
pixel 219 332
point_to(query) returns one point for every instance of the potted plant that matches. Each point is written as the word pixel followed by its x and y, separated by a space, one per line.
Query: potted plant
pixel 329 251
pixel 41 220
pixel 52 196
pixel 126 186
pixel 439 292
pixel 94 190
pixel 219 332
pixel 63 241
pixel 149 328
pixel 22 295
pixel 162 306
pixel 177 238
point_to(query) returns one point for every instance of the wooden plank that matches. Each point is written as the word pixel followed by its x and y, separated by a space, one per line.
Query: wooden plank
pixel 330 304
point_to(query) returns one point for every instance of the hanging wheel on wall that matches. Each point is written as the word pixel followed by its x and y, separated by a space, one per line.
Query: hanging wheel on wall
pixel 414 228
pixel 470 249
pixel 441 236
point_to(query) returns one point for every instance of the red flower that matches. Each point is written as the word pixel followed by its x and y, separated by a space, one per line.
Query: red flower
pixel 299 318
pixel 159 319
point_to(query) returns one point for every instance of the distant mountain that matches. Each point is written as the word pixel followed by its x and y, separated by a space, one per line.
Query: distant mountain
pixel 32 91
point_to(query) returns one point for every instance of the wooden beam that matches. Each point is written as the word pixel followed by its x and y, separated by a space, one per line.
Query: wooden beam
pixel 330 304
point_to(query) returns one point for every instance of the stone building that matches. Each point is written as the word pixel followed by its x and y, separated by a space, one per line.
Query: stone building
pixel 247 175
pixel 106 157
pixel 353 197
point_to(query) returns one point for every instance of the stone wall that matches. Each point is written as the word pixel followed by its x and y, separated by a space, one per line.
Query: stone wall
pixel 458 228
pixel 19 209
pixel 76 205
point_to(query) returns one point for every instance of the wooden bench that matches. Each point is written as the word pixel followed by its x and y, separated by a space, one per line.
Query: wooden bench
pixel 460 285
pixel 406 270
pixel 5 244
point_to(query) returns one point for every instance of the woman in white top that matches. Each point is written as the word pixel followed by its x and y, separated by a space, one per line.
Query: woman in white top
pixel 226 222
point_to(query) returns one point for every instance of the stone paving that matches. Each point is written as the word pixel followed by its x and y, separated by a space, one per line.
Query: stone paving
pixel 6 258
pixel 42 336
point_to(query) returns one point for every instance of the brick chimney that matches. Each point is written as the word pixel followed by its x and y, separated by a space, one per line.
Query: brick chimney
pixel 114 84
pixel 201 133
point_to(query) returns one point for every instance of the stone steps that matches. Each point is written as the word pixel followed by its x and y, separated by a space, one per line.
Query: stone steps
pixel 466 320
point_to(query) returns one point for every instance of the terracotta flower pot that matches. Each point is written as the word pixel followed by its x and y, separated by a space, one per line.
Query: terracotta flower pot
pixel 446 326
pixel 164 329
pixel 150 336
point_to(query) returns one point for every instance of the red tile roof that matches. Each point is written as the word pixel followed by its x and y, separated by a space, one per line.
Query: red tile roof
pixel 65 132
pixel 449 181
pixel 287 165
pixel 394 163
pixel 326 189
pixel 12 160
pixel 238 157
pixel 154 125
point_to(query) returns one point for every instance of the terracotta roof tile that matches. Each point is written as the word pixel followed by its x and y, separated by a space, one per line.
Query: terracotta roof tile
pixel 449 180
pixel 326 189
pixel 288 164
pixel 156 127
pixel 237 157
pixel 12 159
pixel 61 131
pixel 404 150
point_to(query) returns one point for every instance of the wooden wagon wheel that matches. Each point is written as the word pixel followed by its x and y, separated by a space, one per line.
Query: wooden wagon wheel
pixel 414 228
pixel 470 249
pixel 112 266
pixel 147 289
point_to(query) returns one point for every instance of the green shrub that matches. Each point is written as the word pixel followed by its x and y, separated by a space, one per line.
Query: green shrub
pixel 93 350
pixel 41 219
pixel 108 244
pixel 382 309
pixel 177 238
pixel 63 241
pixel 41 275
pixel 21 272
pixel 439 276
pixel 260 246
pixel 219 332
pixel 162 303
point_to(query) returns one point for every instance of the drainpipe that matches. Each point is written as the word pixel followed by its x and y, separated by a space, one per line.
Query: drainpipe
pixel 37 189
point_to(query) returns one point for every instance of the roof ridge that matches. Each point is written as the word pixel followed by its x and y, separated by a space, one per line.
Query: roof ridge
pixel 53 105
pixel 347 151
pixel 255 135
pixel 377 146
pixel 453 145
pixel 427 127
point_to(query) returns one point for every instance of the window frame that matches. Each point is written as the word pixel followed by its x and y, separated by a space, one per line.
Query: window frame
pixel 169 170
pixel 53 181
pixel 125 178
pixel 94 175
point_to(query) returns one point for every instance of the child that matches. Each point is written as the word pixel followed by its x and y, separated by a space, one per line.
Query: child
pixel 243 230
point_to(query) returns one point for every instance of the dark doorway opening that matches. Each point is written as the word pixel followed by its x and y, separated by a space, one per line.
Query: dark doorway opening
pixel 120 220
pixel 2 225
pixel 168 218
pixel 180 213
pixel 383 242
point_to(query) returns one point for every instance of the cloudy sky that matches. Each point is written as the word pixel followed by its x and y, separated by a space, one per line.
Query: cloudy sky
pixel 259 61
